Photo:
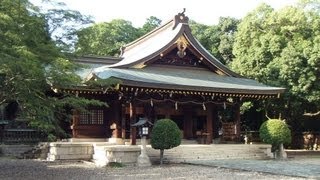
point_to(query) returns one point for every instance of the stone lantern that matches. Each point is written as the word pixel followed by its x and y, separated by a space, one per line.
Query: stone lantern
pixel 144 129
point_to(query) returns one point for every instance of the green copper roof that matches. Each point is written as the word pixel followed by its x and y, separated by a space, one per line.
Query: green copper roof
pixel 186 79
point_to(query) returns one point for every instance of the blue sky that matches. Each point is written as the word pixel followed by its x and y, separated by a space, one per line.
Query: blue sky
pixel 137 11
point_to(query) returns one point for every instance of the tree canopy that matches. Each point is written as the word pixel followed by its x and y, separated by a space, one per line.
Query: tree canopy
pixel 105 39
pixel 32 63
pixel 281 48
pixel 151 23
pixel 218 39
pixel 165 135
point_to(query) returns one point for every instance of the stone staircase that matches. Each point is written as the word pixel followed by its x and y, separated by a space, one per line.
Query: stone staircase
pixel 196 152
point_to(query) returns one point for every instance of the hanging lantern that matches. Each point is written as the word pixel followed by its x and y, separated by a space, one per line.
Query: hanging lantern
pixel 204 106
pixel 224 106
pixel 176 105
pixel 151 103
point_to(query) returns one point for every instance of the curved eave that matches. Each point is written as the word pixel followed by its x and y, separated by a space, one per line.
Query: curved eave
pixel 274 91
pixel 189 80
pixel 152 47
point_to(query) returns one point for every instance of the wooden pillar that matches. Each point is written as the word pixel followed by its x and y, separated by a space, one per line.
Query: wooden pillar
pixel 117 111
pixel 75 122
pixel 237 121
pixel 167 111
pixel 209 108
pixel 216 124
pixel 123 121
pixel 133 133
pixel 187 124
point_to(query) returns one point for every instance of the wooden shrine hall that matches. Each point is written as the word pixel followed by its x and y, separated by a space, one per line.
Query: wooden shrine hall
pixel 166 73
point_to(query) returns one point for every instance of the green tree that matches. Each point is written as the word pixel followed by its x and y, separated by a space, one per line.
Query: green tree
pixel 105 38
pixel 227 27
pixel 218 39
pixel 281 48
pixel 151 23
pixel 63 24
pixel 208 36
pixel 165 135
pixel 32 64
pixel 275 132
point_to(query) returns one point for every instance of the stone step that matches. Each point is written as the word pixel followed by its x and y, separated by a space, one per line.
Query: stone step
pixel 184 153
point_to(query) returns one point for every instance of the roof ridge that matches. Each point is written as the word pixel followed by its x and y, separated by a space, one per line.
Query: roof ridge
pixel 179 18
pixel 137 41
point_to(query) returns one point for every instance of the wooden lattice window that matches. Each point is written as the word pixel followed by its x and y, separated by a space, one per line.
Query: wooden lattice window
pixel 94 116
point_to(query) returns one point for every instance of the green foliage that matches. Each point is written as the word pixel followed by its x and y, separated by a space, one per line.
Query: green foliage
pixel 245 107
pixel 281 48
pixel 32 62
pixel 218 39
pixel 62 23
pixel 165 134
pixel 151 23
pixel 51 138
pixel 275 132
pixel 105 38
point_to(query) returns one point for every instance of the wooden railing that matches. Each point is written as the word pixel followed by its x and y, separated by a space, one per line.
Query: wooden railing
pixel 18 136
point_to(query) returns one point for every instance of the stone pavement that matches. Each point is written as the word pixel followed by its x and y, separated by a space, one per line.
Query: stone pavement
pixel 295 167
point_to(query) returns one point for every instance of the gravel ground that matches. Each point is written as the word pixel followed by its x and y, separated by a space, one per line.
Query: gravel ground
pixel 299 167
pixel 34 169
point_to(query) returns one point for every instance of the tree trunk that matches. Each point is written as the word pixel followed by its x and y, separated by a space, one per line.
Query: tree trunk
pixel 161 156
pixel 280 153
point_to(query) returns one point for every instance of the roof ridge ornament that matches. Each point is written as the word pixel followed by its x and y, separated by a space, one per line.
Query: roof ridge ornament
pixel 182 45
pixel 180 18
pixel 122 48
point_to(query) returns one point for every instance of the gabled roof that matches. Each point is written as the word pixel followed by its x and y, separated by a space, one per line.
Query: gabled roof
pixel 139 52
pixel 136 68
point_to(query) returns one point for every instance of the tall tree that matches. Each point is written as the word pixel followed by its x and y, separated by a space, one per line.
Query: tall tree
pixel 281 48
pixel 105 38
pixel 31 64
pixel 227 27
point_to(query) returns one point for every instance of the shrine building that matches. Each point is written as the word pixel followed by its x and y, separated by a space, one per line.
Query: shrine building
pixel 166 73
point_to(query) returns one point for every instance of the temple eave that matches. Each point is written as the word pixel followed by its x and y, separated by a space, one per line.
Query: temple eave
pixel 156 89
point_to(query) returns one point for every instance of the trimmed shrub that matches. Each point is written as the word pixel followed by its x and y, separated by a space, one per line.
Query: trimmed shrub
pixel 165 135
pixel 275 132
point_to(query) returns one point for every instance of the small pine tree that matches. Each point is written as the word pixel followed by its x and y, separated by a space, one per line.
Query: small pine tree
pixel 165 135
